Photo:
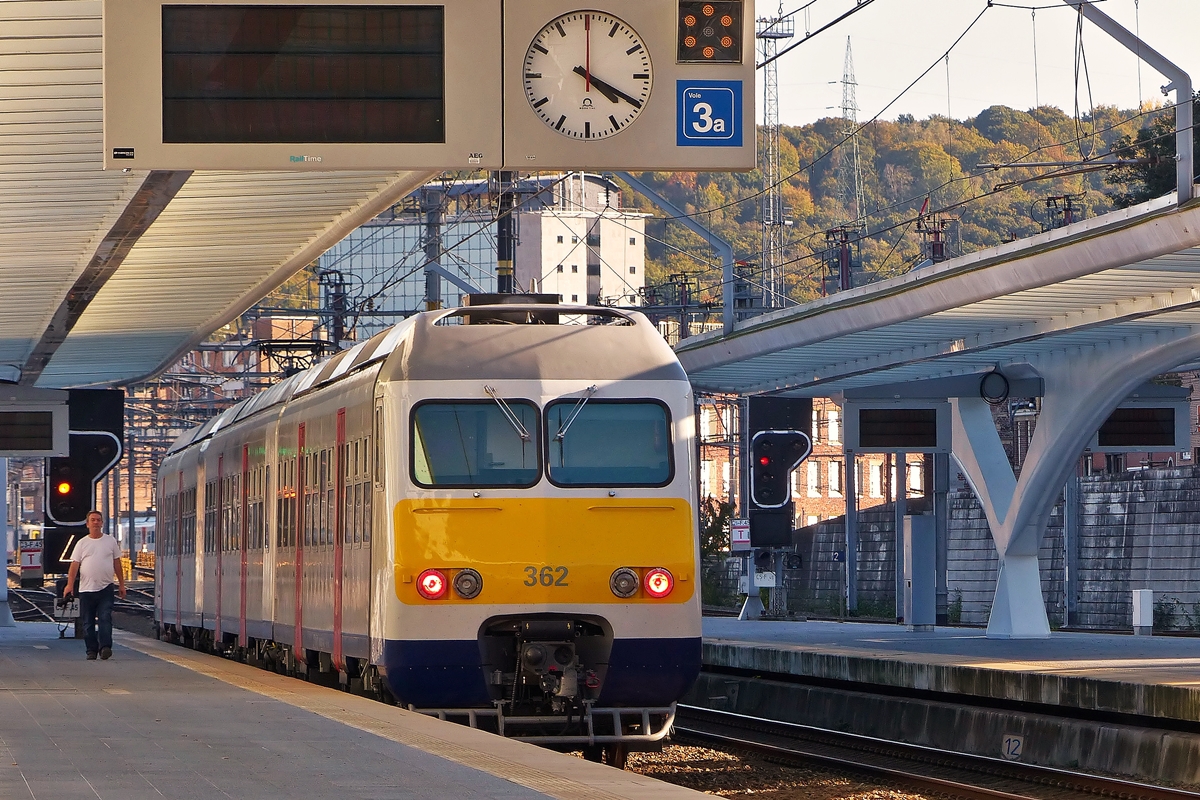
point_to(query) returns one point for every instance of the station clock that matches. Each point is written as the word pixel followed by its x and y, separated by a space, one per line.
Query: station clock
pixel 587 75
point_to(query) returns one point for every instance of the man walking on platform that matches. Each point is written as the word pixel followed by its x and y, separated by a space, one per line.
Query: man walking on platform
pixel 95 560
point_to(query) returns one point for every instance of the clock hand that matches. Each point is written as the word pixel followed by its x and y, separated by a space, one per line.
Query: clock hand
pixel 602 87
pixel 587 63
pixel 608 90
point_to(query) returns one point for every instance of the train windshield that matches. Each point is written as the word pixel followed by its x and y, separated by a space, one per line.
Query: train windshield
pixel 609 443
pixel 475 444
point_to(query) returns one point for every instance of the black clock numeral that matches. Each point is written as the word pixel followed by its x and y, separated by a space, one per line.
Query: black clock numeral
pixel 587 130
pixel 541 49
pixel 538 75
pixel 613 32
pixel 633 49
pixel 637 76
pixel 559 124
pixel 561 32
pixel 616 125
pixel 541 102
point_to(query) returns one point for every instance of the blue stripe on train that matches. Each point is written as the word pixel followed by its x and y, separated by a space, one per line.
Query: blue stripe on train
pixel 449 674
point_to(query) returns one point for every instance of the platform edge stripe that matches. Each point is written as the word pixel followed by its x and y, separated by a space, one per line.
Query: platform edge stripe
pixel 309 697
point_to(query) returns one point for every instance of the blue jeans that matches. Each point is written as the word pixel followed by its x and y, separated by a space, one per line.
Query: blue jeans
pixel 95 609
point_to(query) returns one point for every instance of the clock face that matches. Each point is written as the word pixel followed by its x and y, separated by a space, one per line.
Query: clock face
pixel 587 75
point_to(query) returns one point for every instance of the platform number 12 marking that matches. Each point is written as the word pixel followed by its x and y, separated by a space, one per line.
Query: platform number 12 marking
pixel 1012 746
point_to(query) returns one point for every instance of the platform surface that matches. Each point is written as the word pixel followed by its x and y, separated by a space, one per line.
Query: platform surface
pixel 159 721
pixel 1142 675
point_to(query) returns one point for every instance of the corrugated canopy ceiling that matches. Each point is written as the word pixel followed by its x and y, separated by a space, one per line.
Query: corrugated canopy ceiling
pixel 1131 272
pixel 107 277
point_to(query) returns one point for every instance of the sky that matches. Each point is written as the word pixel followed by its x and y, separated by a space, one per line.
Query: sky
pixel 893 41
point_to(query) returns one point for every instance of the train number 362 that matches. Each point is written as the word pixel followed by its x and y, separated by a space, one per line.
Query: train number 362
pixel 546 576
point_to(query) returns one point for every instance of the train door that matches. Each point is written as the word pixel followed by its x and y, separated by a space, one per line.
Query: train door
pixel 242 555
pixel 287 554
pixel 380 549
pixel 272 464
pixel 192 578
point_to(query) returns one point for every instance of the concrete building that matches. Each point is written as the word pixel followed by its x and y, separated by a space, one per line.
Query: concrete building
pixel 574 239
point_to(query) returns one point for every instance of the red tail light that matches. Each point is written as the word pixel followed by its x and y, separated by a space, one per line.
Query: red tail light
pixel 658 582
pixel 431 584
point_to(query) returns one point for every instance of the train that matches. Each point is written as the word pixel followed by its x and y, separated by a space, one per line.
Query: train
pixel 487 514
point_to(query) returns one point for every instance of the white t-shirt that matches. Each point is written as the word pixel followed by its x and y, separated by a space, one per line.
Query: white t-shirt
pixel 95 557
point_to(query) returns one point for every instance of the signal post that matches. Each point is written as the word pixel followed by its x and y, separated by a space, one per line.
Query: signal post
pixel 778 432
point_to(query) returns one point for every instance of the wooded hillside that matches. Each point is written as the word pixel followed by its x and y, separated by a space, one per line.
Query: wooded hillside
pixel 904 165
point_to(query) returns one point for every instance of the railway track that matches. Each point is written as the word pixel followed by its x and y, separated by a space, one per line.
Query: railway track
pixel 37 605
pixel 922 769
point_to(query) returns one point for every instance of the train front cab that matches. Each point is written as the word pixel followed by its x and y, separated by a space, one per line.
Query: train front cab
pixel 544 546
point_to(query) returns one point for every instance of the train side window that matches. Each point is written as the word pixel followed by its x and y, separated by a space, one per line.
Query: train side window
pixel 281 508
pixel 330 499
pixel 210 517
pixel 608 443
pixel 366 517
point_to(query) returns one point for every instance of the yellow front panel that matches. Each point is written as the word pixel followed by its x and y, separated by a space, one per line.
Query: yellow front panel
pixel 511 541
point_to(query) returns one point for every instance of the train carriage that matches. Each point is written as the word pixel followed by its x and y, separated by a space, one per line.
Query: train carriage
pixel 484 513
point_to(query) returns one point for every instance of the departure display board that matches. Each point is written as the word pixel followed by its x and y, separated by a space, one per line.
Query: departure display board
pixel 314 74
pixel 897 428
pixel 22 431
pixel 1139 426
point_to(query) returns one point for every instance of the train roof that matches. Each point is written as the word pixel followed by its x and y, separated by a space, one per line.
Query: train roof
pixel 626 347
pixel 435 346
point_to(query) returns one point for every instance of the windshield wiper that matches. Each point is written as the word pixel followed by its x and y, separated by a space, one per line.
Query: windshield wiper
pixel 562 432
pixel 509 414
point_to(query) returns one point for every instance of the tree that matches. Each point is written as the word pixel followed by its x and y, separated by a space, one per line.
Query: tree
pixel 715 516
pixel 1155 145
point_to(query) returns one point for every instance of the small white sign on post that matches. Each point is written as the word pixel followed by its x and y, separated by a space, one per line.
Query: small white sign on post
pixel 764 580
pixel 739 535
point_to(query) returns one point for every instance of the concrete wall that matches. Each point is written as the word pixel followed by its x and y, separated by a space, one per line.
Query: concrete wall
pixel 1139 530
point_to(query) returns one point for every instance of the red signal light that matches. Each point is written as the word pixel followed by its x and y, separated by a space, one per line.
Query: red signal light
pixel 63 488
pixel 658 582
pixel 431 584
pixel 764 460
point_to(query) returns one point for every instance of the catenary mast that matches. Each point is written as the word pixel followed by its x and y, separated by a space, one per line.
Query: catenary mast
pixel 768 32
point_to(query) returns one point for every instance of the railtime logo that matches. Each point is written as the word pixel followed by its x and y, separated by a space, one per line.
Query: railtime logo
pixel 298 159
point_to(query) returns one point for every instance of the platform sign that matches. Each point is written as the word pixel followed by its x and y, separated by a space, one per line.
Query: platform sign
pixel 708 113
pixel 29 555
pixel 739 535
pixel 607 95
pixel 297 85
pixel 1011 746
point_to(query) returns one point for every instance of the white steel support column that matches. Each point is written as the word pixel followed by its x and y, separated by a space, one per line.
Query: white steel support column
pixel 1082 387
pixel 6 617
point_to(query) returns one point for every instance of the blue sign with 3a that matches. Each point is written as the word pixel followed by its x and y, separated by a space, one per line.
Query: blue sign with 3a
pixel 708 113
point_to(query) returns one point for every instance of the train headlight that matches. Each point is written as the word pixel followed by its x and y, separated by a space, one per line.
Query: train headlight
pixel 624 582
pixel 658 582
pixel 468 584
pixel 431 584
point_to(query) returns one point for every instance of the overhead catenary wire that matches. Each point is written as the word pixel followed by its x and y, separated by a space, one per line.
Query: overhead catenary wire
pixel 847 136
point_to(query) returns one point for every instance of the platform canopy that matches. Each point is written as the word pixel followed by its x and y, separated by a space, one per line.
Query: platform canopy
pixel 1129 273
pixel 107 277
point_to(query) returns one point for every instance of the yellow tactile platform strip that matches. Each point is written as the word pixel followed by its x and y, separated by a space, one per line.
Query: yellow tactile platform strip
pixel 546 771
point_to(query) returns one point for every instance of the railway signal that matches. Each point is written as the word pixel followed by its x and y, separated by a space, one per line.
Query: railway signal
pixel 71 481
pixel 773 457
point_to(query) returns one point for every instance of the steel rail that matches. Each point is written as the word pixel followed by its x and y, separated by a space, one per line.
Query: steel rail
pixel 925 768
